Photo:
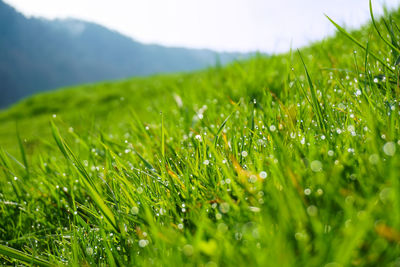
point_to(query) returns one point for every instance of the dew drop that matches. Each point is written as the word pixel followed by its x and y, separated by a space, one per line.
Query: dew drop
pixel 316 166
pixel 389 148
pixel 263 175
pixel 224 207
pixel 143 243
pixel 307 191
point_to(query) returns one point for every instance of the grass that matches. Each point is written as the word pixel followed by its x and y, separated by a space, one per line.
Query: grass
pixel 288 160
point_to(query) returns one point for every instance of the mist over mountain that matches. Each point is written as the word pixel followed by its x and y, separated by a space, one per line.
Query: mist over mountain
pixel 38 55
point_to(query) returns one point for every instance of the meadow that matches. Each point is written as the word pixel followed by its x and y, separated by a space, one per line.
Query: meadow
pixel 289 160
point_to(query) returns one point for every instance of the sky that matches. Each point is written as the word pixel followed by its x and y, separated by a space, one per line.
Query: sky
pixel 270 26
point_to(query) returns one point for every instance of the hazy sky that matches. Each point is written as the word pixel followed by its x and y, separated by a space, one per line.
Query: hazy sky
pixel 230 25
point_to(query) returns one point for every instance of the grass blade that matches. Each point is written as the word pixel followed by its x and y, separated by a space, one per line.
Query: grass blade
pixel 18 255
pixel 23 154
pixel 343 31
pixel 162 137
pixel 221 128
pixel 378 31
pixel 314 99
pixel 87 181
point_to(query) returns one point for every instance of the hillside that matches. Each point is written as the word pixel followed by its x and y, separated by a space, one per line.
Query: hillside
pixel 270 161
pixel 38 55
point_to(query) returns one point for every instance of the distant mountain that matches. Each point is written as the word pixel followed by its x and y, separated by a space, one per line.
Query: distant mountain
pixel 38 55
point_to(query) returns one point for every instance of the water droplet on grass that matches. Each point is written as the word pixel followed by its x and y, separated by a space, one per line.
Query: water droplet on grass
pixel 316 166
pixel 386 194
pixel 224 207
pixel 320 192
pixel 143 243
pixel 187 250
pixel 89 251
pixel 389 148
pixel 374 159
pixel 252 179
pixel 255 209
pixel 135 210
pixel 312 210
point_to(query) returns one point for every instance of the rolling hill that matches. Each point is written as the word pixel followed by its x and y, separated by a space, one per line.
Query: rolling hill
pixel 38 55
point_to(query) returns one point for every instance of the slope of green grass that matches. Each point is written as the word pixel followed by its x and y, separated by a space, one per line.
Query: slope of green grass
pixel 264 162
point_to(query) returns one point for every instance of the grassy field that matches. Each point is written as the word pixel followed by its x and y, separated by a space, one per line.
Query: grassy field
pixel 289 160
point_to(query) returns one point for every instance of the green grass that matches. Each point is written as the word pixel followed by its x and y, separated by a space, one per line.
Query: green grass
pixel 288 160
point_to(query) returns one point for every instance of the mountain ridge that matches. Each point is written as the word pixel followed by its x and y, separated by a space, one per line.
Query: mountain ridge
pixel 39 55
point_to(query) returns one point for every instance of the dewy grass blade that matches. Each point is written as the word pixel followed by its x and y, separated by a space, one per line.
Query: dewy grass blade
pixel 314 99
pixel 148 164
pixel 13 159
pixel 21 256
pixel 377 29
pixel 221 128
pixel 23 154
pixel 162 138
pixel 343 31
pixel 87 181
pixel 5 166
